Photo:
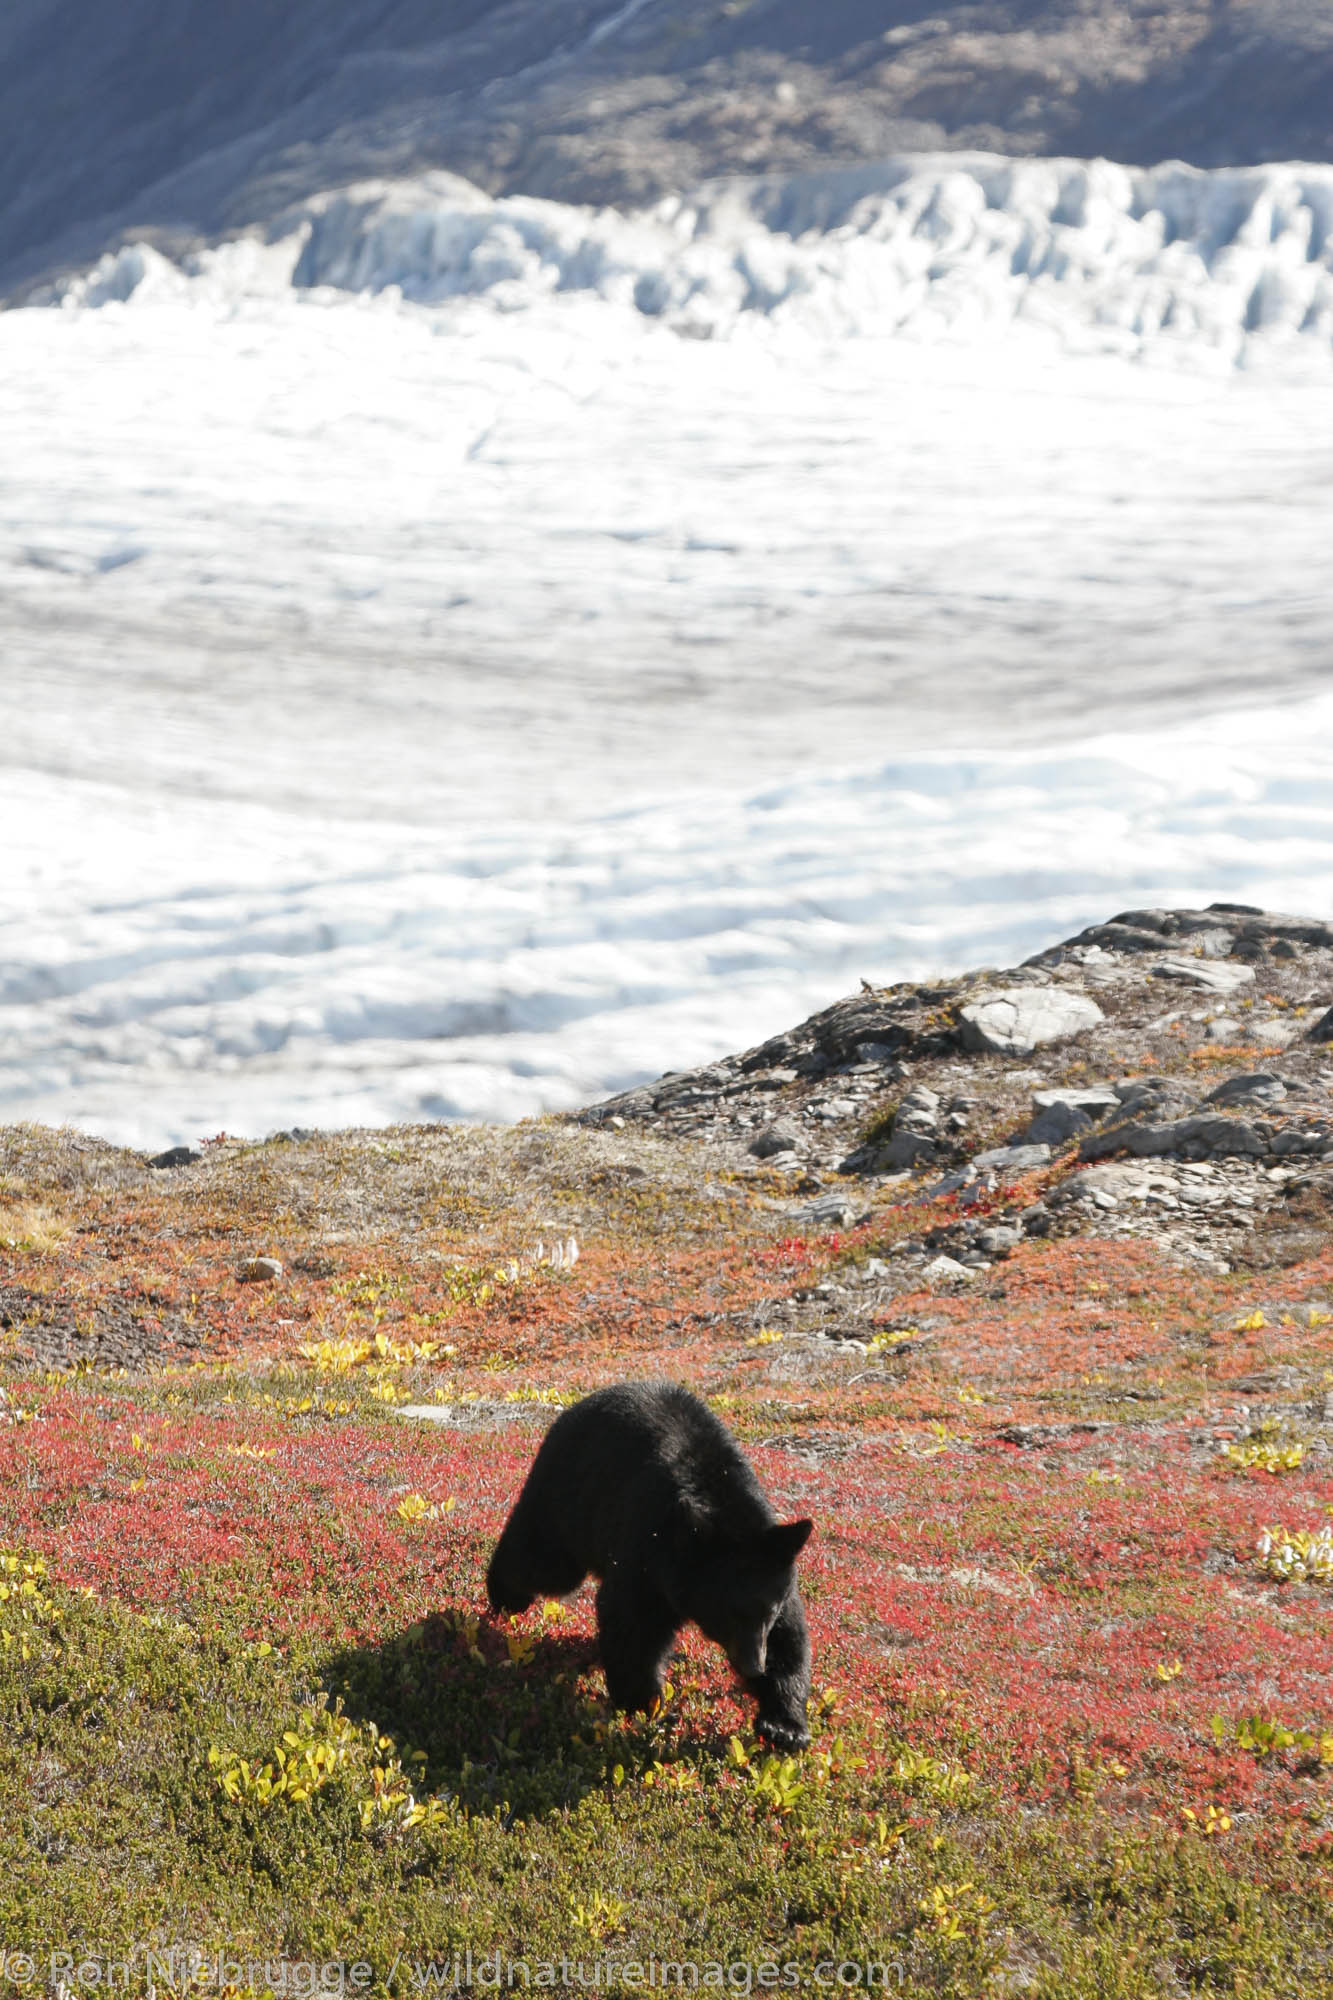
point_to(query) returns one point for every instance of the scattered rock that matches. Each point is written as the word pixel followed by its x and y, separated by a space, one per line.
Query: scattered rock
pixel 1223 979
pixel 942 1270
pixel 915 1127
pixel 1259 1088
pixel 1144 930
pixel 1000 1240
pixel 1273 1034
pixel 118 1330
pixel 942 1038
pixel 176 1156
pixel 1314 1138
pixel 1016 1020
pixel 1094 1100
pixel 259 1271
pixel 1193 1138
pixel 1159 1094
pixel 1056 1125
pixel 832 1210
pixel 1012 1159
pixel 776 1139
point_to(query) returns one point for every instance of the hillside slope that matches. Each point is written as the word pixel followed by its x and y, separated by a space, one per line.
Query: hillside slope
pixel 1061 1409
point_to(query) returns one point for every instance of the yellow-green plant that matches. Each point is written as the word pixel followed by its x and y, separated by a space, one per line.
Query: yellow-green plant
pixel 599 1916
pixel 327 1747
pixel 1257 1454
pixel 957 1910
pixel 776 1780
pixel 341 1356
pixel 1213 1821
pixel 929 1777
pixel 27 1609
pixel 416 1507
pixel 1266 1737
pixel 1292 1555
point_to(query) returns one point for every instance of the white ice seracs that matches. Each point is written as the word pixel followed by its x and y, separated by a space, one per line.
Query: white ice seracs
pixel 1230 259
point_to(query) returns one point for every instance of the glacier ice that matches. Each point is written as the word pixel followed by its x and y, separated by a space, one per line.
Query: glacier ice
pixel 1125 259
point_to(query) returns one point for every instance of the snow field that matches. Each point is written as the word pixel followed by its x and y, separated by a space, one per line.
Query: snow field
pixel 464 694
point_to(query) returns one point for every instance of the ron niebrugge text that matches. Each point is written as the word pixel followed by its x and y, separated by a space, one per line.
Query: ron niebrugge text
pixel 180 1969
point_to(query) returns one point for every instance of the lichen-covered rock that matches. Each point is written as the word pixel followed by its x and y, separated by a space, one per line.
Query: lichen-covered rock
pixel 1207 973
pixel 1012 1159
pixel 1015 1020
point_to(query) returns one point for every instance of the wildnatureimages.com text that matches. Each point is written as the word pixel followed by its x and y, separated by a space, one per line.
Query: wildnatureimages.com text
pixel 180 1970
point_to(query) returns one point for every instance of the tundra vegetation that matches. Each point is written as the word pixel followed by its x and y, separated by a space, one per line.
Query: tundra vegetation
pixel 1069 1593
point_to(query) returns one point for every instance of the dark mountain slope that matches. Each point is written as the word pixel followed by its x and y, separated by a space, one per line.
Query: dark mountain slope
pixel 196 117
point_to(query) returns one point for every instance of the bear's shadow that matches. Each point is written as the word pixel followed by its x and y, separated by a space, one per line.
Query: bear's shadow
pixel 502 1717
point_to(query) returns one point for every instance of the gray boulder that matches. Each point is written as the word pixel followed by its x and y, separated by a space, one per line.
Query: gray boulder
pixel 1055 1126
pixel 1094 1098
pixel 1261 1088
pixel 259 1270
pixel 776 1139
pixel 1316 1138
pixel 1016 1020
pixel 1012 1159
pixel 1197 1138
pixel 915 1129
pixel 907 1149
pixel 1208 973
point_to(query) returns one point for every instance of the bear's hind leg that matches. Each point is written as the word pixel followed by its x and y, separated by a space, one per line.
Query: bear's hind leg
pixel 635 1631
pixel 784 1685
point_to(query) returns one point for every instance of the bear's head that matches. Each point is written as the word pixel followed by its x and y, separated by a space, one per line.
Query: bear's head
pixel 740 1587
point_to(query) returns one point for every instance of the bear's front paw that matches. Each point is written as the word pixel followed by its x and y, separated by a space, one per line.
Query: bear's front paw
pixel 784 1732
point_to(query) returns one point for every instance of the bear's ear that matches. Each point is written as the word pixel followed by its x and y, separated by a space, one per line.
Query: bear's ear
pixel 788 1539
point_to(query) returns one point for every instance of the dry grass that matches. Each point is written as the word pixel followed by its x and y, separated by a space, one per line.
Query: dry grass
pixel 33 1227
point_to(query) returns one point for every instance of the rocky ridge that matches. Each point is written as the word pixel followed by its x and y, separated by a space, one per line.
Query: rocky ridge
pixel 1167 1074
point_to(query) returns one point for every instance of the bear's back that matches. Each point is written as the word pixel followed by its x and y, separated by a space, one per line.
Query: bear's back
pixel 629 1460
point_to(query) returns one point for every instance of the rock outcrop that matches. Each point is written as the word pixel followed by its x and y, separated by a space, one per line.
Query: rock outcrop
pixel 1165 1072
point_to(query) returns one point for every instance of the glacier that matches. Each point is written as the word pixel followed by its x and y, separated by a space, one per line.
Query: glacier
pixel 1236 260
pixel 462 655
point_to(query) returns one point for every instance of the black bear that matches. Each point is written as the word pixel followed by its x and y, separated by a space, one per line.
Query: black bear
pixel 642 1486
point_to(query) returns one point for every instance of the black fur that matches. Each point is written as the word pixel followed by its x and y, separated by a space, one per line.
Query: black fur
pixel 643 1487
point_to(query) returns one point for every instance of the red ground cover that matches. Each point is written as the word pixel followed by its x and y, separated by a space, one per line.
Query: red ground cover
pixel 997 1605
